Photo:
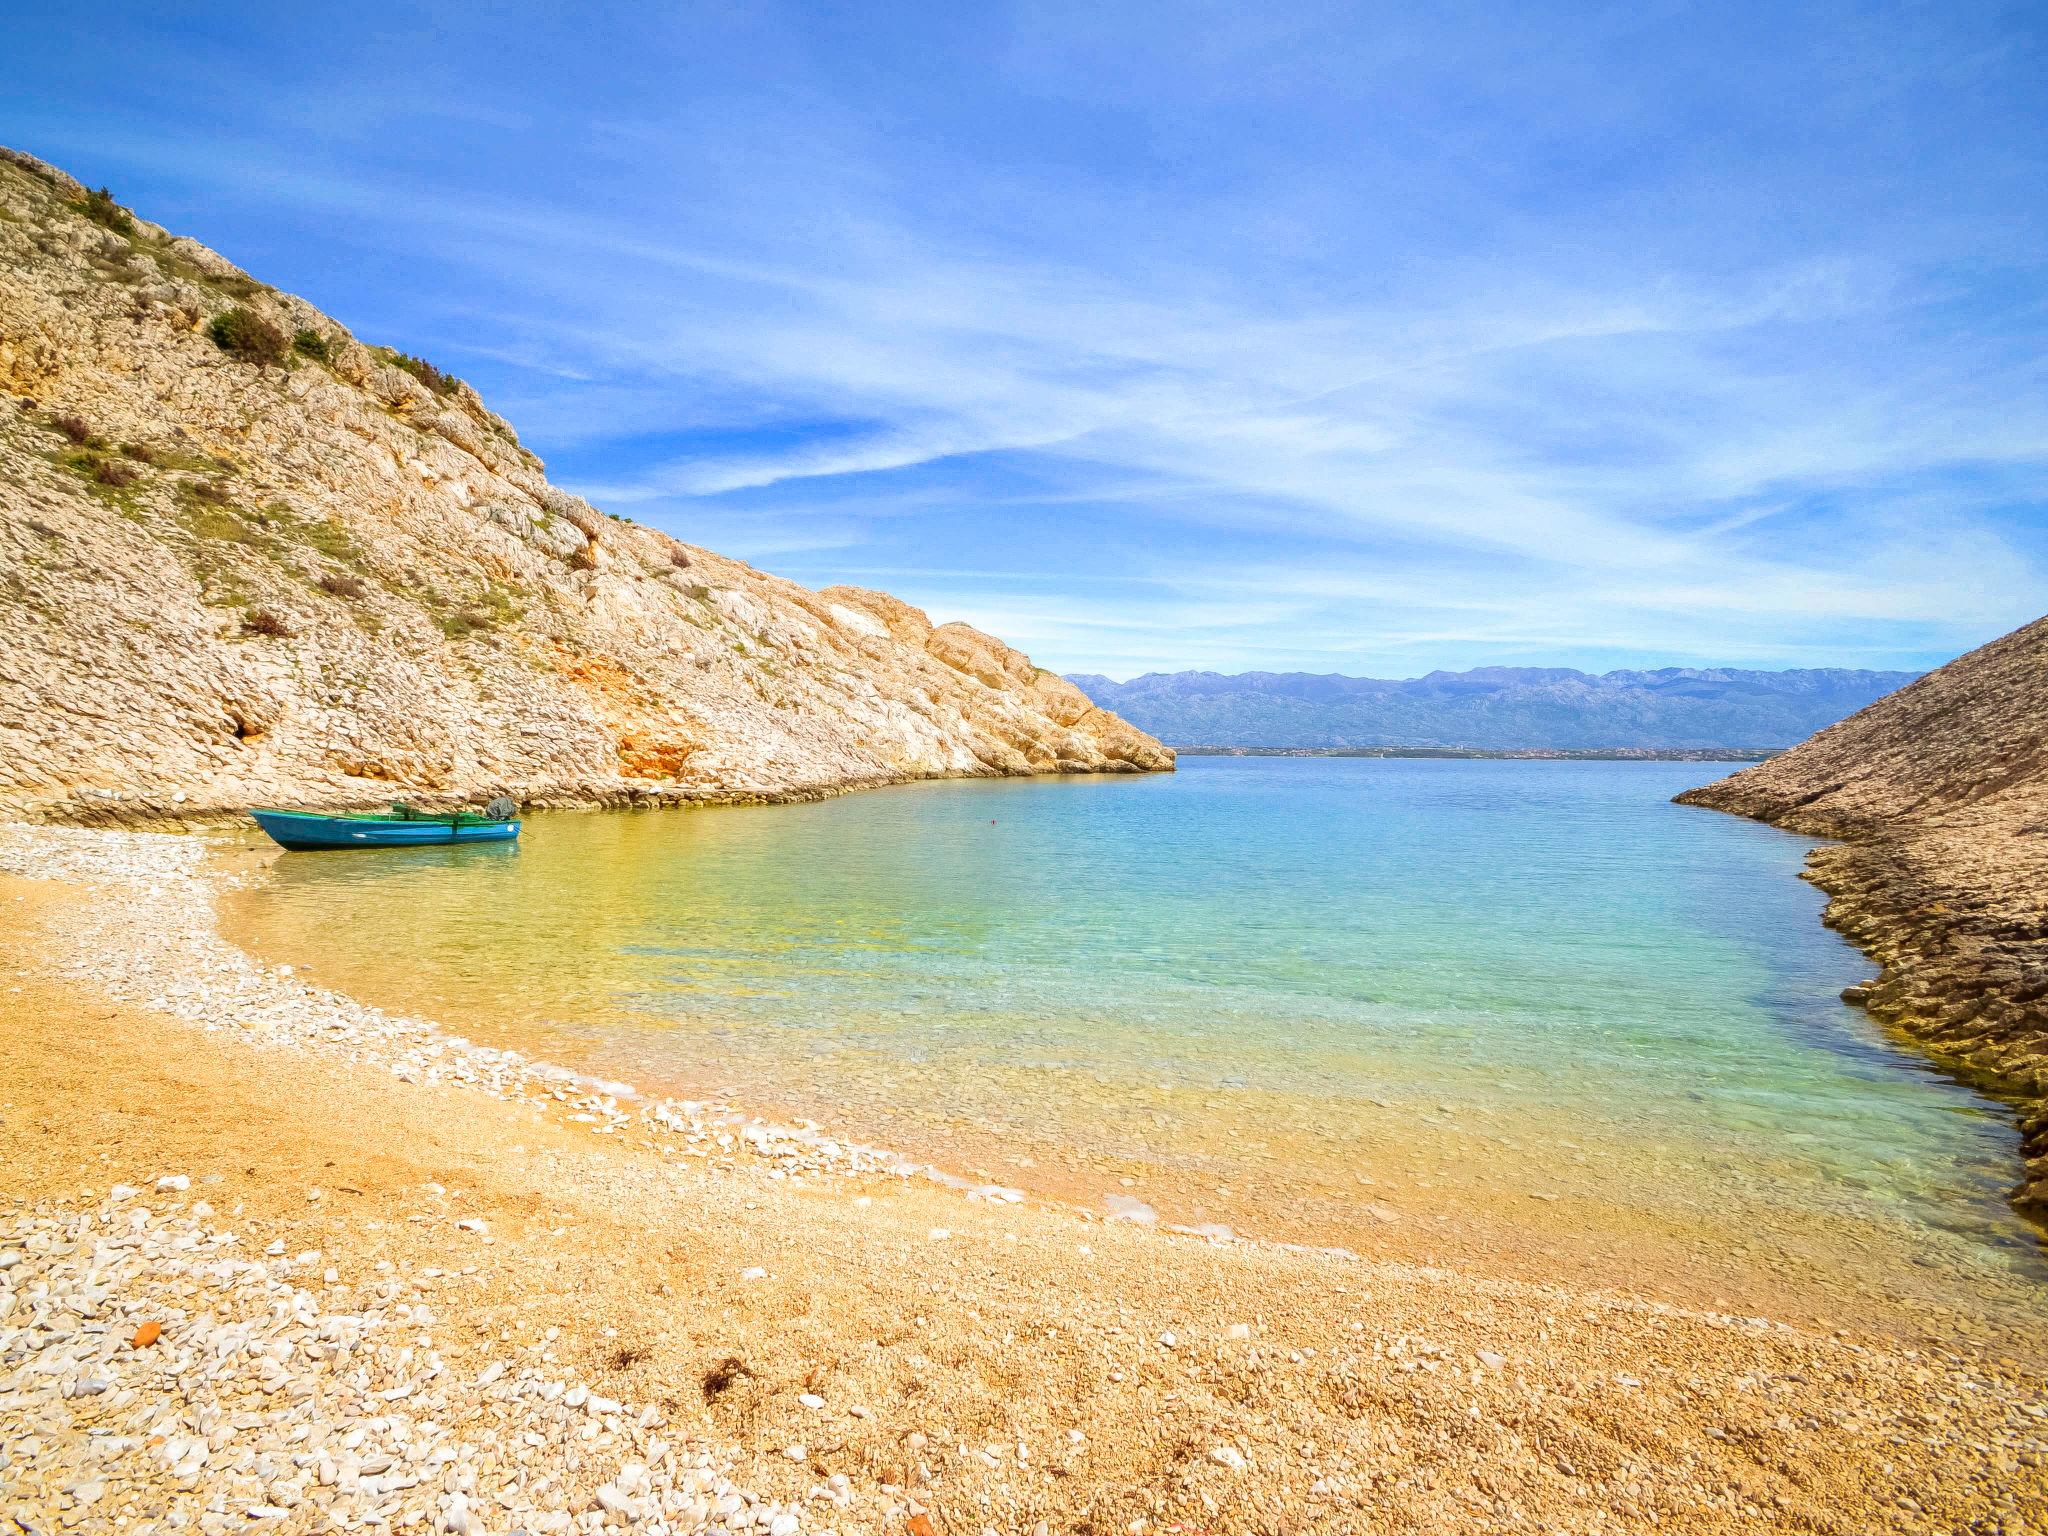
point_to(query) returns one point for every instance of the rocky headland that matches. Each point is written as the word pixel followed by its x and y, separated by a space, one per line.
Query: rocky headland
pixel 245 557
pixel 1938 795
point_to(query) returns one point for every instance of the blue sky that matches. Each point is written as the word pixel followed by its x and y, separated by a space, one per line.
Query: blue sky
pixel 1343 338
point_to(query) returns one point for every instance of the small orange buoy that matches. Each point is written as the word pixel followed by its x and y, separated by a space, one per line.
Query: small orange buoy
pixel 147 1334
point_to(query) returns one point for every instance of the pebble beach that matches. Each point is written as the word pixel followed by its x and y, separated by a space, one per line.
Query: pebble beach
pixel 271 1258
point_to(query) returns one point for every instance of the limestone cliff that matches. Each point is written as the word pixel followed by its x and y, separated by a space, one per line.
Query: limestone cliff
pixel 245 558
pixel 1941 794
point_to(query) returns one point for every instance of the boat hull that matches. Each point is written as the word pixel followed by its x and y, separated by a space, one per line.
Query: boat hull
pixel 303 832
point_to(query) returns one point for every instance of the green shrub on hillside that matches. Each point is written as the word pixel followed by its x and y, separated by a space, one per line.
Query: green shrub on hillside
pixel 310 343
pixel 334 541
pixel 101 208
pixel 264 621
pixel 479 615
pixel 440 383
pixel 342 584
pixel 76 430
pixel 247 335
pixel 102 472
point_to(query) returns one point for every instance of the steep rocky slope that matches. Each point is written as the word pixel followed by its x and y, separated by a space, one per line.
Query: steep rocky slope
pixel 1941 794
pixel 246 558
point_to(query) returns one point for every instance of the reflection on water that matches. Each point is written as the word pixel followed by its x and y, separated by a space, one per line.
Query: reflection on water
pixel 1528 1010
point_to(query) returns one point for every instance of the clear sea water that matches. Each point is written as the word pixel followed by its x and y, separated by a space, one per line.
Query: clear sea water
pixel 1528 1016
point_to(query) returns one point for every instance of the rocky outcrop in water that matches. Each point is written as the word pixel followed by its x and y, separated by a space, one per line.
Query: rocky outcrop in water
pixel 247 558
pixel 1940 796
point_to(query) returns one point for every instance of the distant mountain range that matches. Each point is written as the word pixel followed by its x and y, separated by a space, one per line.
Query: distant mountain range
pixel 1494 708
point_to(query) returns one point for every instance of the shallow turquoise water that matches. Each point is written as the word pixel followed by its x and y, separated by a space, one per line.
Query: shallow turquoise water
pixel 1266 991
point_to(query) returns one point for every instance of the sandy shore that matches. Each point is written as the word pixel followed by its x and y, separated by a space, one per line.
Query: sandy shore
pixel 271 1257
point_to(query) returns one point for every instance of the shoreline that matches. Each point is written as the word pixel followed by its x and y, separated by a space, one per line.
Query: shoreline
pixel 1935 799
pixel 1482 1167
pixel 1945 984
pixel 138 811
pixel 298 1013
pixel 294 1014
pixel 801 1138
pixel 1948 1010
pixel 1417 1398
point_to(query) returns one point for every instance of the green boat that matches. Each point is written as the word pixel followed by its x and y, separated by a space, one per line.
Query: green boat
pixel 402 826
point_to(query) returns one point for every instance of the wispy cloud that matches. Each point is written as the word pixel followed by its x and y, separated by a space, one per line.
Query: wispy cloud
pixel 1266 338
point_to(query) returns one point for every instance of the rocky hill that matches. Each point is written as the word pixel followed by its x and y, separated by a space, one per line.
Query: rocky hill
pixel 1941 794
pixel 1494 708
pixel 246 558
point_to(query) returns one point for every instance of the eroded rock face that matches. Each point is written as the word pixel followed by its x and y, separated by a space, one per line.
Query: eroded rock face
pixel 1941 794
pixel 229 579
